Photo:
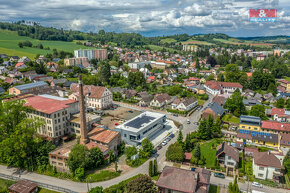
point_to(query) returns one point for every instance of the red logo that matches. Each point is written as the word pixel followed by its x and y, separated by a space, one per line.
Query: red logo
pixel 263 13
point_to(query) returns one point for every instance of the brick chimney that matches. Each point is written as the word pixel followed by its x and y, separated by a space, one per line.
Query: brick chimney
pixel 84 131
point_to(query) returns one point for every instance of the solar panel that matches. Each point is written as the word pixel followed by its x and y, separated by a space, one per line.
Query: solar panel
pixel 138 122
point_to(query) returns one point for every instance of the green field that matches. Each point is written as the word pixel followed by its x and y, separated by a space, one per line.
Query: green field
pixel 159 48
pixel 168 40
pixel 9 45
pixel 231 119
pixel 208 152
pixel 197 42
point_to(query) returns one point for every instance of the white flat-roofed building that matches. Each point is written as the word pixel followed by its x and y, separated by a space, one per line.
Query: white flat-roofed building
pixel 144 125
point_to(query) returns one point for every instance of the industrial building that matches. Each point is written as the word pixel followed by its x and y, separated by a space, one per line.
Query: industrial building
pixel 144 125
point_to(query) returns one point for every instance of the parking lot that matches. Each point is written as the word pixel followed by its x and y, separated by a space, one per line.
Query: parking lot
pixel 117 116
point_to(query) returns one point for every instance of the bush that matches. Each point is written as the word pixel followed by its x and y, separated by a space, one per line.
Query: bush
pixel 177 111
pixel 79 174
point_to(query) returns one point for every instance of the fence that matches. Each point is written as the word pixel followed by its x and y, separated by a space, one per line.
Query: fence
pixel 43 185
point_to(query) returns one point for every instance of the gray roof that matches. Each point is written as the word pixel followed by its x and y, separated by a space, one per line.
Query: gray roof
pixel 139 121
pixel 189 101
pixel 216 108
pixel 31 85
pixel 251 102
pixel 244 119
pixel 2 90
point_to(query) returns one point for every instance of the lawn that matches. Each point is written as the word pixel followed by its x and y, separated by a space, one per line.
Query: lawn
pixel 231 119
pixel 209 153
pixel 200 102
pixel 102 176
pixel 214 189
pixel 197 42
pixel 159 48
pixel 168 40
pixel 9 45
pixel 286 78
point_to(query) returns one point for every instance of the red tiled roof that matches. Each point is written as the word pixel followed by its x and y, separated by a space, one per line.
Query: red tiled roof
pixel 274 125
pixel 102 135
pixel 266 159
pixel 277 111
pixel 193 79
pixel 213 85
pixel 249 74
pixel 23 186
pixel 92 145
pixel 151 77
pixel 95 91
pixel 47 105
pixel 231 84
pixel 19 64
pixel 188 156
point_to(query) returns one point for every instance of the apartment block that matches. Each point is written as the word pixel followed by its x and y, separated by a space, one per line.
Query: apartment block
pixel 28 88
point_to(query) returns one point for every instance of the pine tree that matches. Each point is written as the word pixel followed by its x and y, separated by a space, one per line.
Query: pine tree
pixel 196 151
pixel 197 65
pixel 150 168
pixel 180 137
pixel 155 168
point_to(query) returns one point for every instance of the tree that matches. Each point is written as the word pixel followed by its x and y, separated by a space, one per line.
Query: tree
pixel 175 152
pixel 79 174
pixel 96 158
pixel 235 104
pixel 234 188
pixel 97 189
pixel 221 77
pixel 20 145
pixel 180 137
pixel 142 184
pixel 116 166
pixel 286 162
pixel 20 44
pixel 78 158
pixel 280 103
pixel 211 60
pixel 130 151
pixel 147 148
pixel 197 65
pixel 210 77
pixel 105 72
pixel 232 73
pixel 150 172
pixel 203 130
pixel 196 151
pixel 258 111
pixel 155 167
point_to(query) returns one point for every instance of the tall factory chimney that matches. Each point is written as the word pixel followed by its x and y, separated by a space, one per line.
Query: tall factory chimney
pixel 84 131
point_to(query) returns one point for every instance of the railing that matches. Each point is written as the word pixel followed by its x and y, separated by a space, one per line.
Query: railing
pixel 43 185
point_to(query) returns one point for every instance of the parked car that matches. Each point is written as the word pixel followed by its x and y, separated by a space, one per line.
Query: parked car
pixel 219 175
pixel 256 184
pixel 175 115
pixel 188 121
pixel 159 147
pixel 164 143
pixel 196 123
pixel 193 169
pixel 172 136
pixel 154 151
pixel 130 111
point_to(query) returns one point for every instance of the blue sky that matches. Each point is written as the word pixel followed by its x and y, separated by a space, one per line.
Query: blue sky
pixel 151 17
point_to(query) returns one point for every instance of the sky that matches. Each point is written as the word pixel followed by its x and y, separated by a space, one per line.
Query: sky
pixel 151 17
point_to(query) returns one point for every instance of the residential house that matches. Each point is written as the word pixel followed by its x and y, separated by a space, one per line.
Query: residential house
pixel 98 97
pixel 284 84
pixel 275 127
pixel 145 99
pixel 219 100
pixel 174 179
pixel 24 60
pixel 14 59
pixel 129 93
pixel 199 89
pixel 213 109
pixel 280 115
pixel 184 104
pixel 150 79
pixel 284 141
pixel 250 102
pixel 10 80
pixel 7 63
pixel 20 65
pixel 266 166
pixel 3 70
pixel 160 100
pixel 58 82
pixel 227 156
pixel 228 88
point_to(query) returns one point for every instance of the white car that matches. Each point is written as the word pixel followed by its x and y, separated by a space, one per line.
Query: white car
pixel 163 143
pixel 256 184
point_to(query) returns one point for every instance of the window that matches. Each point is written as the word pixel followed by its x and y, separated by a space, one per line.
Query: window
pixel 261 168
pixel 256 128
pixel 260 175
pixel 277 170
pixel 230 163
pixel 125 135
pixel 229 157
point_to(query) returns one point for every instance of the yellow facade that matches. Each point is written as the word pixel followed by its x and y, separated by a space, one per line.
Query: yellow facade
pixel 288 87
pixel 269 144
pixel 250 127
